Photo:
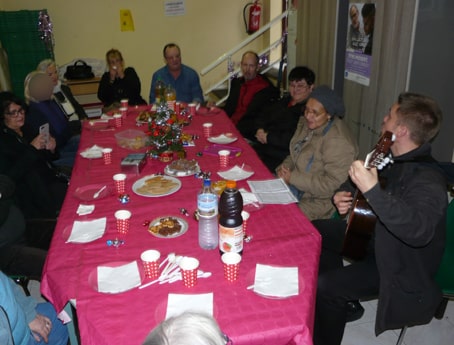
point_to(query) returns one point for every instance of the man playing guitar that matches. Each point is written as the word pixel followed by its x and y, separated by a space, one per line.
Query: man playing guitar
pixel 408 238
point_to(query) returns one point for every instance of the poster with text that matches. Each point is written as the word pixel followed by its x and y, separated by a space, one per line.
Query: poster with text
pixel 360 37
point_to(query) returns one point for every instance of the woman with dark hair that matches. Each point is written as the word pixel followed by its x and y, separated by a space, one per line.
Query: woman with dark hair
pixel 275 127
pixel 27 160
pixel 119 82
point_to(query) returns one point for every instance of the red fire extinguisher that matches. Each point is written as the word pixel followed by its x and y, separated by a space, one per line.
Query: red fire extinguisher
pixel 254 17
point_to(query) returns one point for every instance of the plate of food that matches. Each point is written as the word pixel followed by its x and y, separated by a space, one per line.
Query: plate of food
pixel 182 167
pixel 144 116
pixel 224 138
pixel 168 227
pixel 156 186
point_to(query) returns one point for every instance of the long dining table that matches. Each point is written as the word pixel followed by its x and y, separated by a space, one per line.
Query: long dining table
pixel 281 236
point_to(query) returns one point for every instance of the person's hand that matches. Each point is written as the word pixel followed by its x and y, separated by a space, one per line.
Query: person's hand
pixel 363 178
pixel 52 144
pixel 261 136
pixel 40 327
pixel 343 201
pixel 284 173
pixel 39 142
pixel 113 72
pixel 211 104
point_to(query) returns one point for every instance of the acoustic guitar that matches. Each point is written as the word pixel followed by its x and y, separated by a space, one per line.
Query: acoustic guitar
pixel 361 219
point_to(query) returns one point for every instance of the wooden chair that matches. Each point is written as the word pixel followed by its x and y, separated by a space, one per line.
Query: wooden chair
pixel 445 277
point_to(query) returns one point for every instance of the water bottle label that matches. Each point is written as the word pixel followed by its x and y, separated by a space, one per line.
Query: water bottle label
pixel 231 239
pixel 207 204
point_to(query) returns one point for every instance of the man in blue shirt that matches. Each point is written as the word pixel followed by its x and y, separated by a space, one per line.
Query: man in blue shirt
pixel 182 78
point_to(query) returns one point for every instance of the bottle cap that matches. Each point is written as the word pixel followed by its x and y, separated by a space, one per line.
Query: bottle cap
pixel 206 182
pixel 230 184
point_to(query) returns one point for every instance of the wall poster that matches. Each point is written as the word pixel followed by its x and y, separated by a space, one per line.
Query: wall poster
pixel 360 36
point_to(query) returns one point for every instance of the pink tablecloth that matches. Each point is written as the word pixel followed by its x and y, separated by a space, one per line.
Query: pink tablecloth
pixel 282 235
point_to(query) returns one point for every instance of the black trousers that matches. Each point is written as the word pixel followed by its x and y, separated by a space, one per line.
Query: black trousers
pixel 338 284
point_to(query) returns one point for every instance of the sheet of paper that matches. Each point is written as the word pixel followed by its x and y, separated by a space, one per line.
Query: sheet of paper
pixel 118 279
pixel 179 303
pixel 276 281
pixel 273 191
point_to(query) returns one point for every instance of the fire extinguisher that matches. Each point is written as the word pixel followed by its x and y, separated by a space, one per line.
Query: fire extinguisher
pixel 254 17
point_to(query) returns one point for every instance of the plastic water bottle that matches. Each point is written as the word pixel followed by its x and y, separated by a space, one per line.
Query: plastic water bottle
pixel 171 97
pixel 230 220
pixel 159 91
pixel 207 205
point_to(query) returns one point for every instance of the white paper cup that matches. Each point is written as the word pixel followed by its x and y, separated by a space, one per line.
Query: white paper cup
pixel 231 263
pixel 118 120
pixel 107 155
pixel 124 111
pixel 124 102
pixel 189 268
pixel 207 129
pixel 245 215
pixel 192 108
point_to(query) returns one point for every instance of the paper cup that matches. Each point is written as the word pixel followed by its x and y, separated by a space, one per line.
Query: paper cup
pixel 231 263
pixel 118 120
pixel 177 108
pixel 245 215
pixel 207 128
pixel 124 112
pixel 120 183
pixel 224 156
pixel 189 268
pixel 192 108
pixel 107 155
pixel 124 102
pixel 150 261
pixel 122 218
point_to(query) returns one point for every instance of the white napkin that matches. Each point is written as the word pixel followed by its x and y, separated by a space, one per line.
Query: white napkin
pixel 118 279
pixel 248 197
pixel 236 174
pixel 222 139
pixel 92 152
pixel 177 304
pixel 106 117
pixel 275 281
pixel 83 210
pixel 87 231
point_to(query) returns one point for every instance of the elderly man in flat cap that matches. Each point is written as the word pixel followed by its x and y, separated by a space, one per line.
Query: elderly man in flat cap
pixel 321 152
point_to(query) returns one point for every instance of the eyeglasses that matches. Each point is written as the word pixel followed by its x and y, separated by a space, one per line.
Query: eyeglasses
pixel 16 113
pixel 308 112
pixel 299 86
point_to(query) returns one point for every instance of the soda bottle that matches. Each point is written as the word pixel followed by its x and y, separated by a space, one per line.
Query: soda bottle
pixel 207 205
pixel 159 91
pixel 171 97
pixel 230 220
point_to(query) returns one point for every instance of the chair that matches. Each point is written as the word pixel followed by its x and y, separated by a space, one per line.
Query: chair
pixel 444 277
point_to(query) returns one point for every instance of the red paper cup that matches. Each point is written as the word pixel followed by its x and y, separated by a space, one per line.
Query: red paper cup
pixel 120 183
pixel 122 218
pixel 207 128
pixel 107 155
pixel 177 108
pixel 224 156
pixel 150 261
pixel 124 112
pixel 118 120
pixel 189 268
pixel 245 215
pixel 231 265
pixel 192 108
pixel 124 103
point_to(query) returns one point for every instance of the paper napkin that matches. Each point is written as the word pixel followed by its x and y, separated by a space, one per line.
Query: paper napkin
pixel 248 197
pixel 92 152
pixel 83 210
pixel 273 281
pixel 177 304
pixel 87 231
pixel 235 174
pixel 118 279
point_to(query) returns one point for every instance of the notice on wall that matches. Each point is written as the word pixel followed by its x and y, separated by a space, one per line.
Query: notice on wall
pixel 360 36
pixel 126 21
pixel 174 8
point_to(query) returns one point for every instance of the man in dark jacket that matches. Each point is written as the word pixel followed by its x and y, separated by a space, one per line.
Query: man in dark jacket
pixel 409 236
pixel 249 95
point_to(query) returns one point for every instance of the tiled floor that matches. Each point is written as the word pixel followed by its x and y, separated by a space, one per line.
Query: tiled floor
pixel 438 332
pixel 361 332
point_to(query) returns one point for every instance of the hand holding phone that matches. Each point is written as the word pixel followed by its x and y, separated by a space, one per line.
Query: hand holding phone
pixel 44 131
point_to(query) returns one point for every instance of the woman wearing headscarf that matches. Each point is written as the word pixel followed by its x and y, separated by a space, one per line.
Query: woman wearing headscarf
pixel 321 152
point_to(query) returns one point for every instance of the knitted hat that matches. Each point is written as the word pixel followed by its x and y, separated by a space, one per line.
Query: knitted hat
pixel 333 104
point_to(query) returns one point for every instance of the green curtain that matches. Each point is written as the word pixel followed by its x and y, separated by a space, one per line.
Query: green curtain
pixel 21 39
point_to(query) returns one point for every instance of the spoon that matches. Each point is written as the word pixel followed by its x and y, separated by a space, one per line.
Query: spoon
pixel 166 259
pixel 96 195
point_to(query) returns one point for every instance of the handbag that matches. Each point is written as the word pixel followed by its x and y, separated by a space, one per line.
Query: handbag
pixel 80 70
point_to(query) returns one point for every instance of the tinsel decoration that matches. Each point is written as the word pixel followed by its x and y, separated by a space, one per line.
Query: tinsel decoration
pixel 45 31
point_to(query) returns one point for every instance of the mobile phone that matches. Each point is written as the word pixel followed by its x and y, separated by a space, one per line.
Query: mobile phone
pixel 44 130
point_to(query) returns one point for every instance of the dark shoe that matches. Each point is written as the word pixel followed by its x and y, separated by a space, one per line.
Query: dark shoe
pixel 354 311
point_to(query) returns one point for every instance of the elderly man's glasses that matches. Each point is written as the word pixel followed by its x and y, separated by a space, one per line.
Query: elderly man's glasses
pixel 15 113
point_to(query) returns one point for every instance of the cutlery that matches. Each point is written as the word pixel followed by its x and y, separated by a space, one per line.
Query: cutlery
pixel 96 195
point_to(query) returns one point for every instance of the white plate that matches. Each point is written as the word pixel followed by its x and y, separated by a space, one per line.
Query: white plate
pixel 236 173
pixel 226 138
pixel 139 183
pixel 92 152
pixel 183 223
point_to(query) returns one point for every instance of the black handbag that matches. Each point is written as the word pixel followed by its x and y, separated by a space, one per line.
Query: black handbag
pixel 80 70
